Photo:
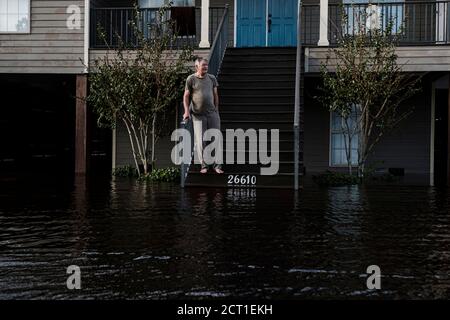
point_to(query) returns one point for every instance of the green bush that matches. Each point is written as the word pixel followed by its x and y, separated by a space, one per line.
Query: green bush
pixel 330 178
pixel 125 171
pixel 156 175
pixel 163 175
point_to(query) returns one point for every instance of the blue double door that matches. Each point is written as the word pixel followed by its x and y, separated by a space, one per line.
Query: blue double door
pixel 266 23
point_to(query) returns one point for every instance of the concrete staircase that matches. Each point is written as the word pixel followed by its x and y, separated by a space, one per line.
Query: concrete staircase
pixel 257 90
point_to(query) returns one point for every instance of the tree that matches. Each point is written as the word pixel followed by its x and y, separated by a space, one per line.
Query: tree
pixel 139 85
pixel 367 87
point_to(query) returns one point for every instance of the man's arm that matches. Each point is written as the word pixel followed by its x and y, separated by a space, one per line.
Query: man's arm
pixel 216 98
pixel 186 97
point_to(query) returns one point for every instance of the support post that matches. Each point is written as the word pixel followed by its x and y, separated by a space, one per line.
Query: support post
pixel 296 128
pixel 448 134
pixel 204 41
pixel 323 26
pixel 81 125
pixel 87 12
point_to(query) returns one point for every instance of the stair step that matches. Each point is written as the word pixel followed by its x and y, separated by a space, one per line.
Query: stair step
pixel 284 145
pixel 233 108
pixel 255 112
pixel 258 83
pixel 284 134
pixel 256 116
pixel 257 126
pixel 244 180
pixel 238 63
pixel 285 155
pixel 244 91
pixel 274 98
pixel 252 76
pixel 252 89
pixel 268 69
pixel 290 58
pixel 284 167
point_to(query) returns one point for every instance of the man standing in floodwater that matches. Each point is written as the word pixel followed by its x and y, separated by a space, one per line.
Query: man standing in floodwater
pixel 201 91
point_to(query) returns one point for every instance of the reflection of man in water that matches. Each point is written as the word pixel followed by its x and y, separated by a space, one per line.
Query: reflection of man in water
pixel 202 88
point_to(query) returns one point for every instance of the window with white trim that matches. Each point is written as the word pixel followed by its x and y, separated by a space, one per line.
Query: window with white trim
pixel 182 13
pixel 14 16
pixel 363 14
pixel 339 137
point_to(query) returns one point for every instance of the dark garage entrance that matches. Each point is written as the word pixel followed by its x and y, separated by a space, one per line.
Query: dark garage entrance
pixel 37 124
pixel 37 127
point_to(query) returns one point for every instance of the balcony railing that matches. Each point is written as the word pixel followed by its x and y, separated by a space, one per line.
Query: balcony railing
pixel 115 24
pixel 414 22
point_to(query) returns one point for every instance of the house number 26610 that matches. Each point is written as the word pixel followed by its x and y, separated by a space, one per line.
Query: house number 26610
pixel 241 179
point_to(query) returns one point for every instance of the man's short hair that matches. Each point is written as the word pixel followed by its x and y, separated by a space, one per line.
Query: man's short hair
pixel 198 61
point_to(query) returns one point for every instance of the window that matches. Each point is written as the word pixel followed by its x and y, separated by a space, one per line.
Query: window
pixel 160 3
pixel 339 138
pixel 182 13
pixel 362 14
pixel 14 16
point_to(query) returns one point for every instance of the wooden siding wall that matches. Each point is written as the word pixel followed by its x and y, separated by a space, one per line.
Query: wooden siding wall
pixel 124 155
pixel 50 47
pixel 96 54
pixel 418 59
pixel 407 146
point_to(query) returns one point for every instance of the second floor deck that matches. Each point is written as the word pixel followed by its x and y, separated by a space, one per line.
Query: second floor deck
pixel 50 46
pixel 414 22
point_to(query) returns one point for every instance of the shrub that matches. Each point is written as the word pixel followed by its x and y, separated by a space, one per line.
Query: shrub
pixel 125 171
pixel 163 175
pixel 330 178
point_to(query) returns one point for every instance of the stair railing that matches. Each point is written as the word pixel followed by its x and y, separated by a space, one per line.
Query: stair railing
pixel 297 100
pixel 188 125
pixel 215 59
pixel 219 45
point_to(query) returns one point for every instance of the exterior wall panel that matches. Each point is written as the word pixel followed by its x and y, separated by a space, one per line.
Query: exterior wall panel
pixel 50 47
pixel 407 146
pixel 414 59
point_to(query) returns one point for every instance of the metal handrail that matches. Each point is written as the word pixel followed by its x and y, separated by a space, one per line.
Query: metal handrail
pixel 219 45
pixel 297 101
pixel 422 22
pixel 189 126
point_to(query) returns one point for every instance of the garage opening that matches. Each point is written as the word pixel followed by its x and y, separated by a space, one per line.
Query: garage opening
pixel 37 127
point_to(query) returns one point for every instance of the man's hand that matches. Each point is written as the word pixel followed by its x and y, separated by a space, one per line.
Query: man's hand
pixel 186 115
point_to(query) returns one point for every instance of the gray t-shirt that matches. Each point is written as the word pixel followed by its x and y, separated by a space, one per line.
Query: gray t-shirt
pixel 202 92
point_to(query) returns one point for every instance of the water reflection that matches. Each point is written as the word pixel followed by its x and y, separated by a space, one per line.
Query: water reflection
pixel 136 240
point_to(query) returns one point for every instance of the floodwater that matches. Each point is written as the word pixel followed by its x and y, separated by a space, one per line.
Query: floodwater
pixel 139 241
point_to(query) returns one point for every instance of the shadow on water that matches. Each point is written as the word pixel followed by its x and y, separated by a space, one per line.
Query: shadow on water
pixel 134 240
